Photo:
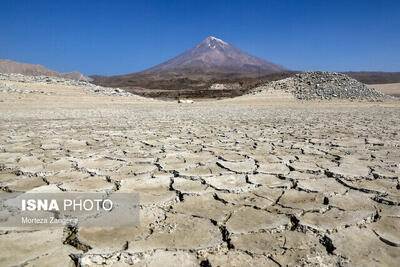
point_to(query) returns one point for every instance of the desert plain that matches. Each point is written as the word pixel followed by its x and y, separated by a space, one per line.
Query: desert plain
pixel 260 180
pixel 389 88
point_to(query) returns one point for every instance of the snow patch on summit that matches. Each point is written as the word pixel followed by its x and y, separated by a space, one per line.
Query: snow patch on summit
pixel 212 42
pixel 218 40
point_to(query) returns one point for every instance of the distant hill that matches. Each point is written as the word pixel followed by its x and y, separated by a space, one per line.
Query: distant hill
pixel 375 77
pixel 8 66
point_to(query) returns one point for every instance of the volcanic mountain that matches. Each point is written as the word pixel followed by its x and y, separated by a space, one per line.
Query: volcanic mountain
pixel 8 66
pixel 211 61
pixel 215 54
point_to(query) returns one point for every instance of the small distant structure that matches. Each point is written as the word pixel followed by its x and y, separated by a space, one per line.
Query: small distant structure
pixel 185 101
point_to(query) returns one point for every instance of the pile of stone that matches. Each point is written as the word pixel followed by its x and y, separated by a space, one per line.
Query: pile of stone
pixel 19 91
pixel 6 88
pixel 4 77
pixel 110 91
pixel 323 85
pixel 45 79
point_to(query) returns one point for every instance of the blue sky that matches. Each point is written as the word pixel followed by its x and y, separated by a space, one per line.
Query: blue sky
pixel 118 37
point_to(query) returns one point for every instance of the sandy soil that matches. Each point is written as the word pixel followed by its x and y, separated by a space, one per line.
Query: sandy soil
pixel 389 88
pixel 258 180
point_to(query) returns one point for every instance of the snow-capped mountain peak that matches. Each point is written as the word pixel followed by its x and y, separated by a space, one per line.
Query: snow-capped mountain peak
pixel 216 54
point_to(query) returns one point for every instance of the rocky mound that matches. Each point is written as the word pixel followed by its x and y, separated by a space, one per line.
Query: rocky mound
pixel 322 85
pixel 10 77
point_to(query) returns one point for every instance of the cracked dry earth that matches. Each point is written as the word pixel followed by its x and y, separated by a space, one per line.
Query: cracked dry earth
pixel 239 182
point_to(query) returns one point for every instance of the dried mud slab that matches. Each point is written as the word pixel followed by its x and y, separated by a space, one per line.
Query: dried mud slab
pixel 363 247
pixel 239 258
pixel 247 219
pixel 180 232
pixel 31 248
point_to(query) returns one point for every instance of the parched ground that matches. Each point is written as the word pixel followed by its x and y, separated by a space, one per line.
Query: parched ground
pixel 258 180
pixel 389 88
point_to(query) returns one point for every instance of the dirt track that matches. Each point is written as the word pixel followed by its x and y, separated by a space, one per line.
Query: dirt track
pixel 257 180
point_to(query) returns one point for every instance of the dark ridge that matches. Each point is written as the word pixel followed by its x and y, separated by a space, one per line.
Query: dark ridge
pixel 375 77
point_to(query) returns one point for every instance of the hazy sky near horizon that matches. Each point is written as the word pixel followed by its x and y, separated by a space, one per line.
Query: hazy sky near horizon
pixel 119 37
